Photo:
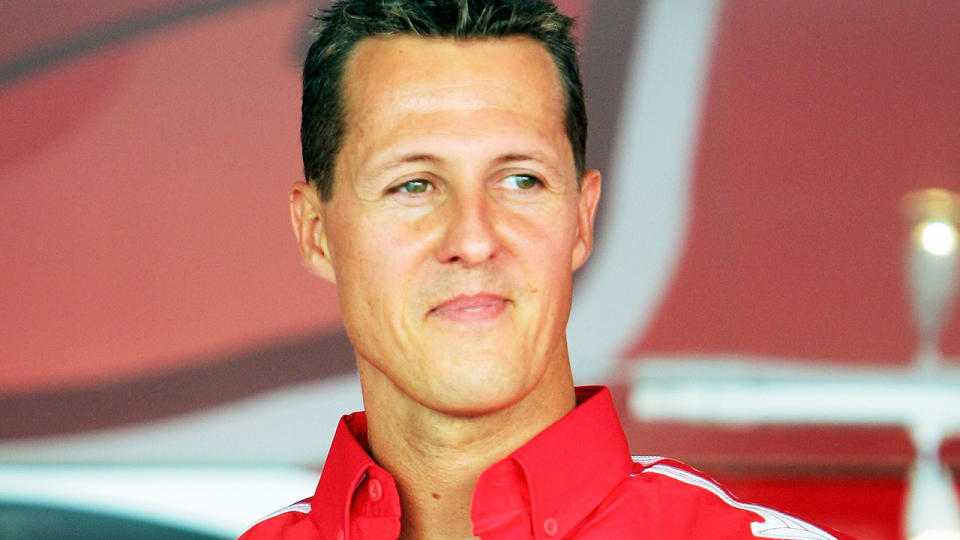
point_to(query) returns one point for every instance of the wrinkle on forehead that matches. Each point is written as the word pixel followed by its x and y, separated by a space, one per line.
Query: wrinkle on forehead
pixel 451 80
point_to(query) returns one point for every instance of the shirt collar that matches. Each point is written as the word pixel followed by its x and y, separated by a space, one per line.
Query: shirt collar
pixel 558 477
pixel 544 488
pixel 355 498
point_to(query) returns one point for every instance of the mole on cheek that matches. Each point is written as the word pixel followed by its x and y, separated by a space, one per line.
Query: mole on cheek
pixel 436 495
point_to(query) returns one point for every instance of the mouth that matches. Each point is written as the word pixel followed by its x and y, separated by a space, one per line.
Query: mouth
pixel 471 307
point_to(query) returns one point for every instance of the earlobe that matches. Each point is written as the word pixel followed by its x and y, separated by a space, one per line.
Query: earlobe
pixel 307 220
pixel 586 211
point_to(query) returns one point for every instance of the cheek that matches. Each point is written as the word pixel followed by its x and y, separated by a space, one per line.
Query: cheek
pixel 545 250
pixel 547 242
pixel 375 265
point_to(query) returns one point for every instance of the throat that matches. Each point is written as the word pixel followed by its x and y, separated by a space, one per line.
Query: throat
pixel 436 474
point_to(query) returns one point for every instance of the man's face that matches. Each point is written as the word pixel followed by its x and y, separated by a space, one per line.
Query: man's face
pixel 456 221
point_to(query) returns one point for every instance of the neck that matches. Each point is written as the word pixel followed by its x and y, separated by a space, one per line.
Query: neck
pixel 436 458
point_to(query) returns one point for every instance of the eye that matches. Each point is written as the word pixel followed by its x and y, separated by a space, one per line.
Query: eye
pixel 522 181
pixel 413 187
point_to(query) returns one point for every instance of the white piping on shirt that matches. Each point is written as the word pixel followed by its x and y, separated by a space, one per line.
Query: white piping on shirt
pixel 303 507
pixel 774 525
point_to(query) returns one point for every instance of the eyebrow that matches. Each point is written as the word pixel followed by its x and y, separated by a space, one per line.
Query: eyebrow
pixel 536 157
pixel 508 158
pixel 418 157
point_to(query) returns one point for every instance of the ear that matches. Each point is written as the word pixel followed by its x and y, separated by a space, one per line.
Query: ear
pixel 307 218
pixel 586 210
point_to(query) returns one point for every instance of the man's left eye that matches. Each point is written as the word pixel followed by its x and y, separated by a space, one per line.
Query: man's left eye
pixel 522 181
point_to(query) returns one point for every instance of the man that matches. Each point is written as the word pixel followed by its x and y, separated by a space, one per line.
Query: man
pixel 449 202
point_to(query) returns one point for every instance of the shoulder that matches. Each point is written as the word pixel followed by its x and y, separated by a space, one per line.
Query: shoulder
pixel 289 523
pixel 692 503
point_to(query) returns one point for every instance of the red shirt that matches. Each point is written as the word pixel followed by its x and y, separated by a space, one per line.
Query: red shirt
pixel 576 479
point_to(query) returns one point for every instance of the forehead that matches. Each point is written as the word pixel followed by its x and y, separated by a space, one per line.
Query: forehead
pixel 377 61
pixel 388 79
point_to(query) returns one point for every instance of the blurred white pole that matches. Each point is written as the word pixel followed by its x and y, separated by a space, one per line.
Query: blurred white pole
pixel 932 506
pixel 646 190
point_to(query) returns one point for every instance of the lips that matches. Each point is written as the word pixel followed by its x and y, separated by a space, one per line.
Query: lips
pixel 471 308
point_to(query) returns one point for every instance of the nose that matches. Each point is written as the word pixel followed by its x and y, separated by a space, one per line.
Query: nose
pixel 471 236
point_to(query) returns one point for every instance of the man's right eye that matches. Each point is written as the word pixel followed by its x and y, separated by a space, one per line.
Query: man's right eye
pixel 413 187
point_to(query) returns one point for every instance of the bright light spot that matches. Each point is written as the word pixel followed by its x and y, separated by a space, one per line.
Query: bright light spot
pixel 938 238
pixel 940 534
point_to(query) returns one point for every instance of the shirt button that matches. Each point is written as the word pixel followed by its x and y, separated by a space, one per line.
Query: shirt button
pixel 550 526
pixel 374 489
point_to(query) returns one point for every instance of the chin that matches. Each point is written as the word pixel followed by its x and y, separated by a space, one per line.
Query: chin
pixel 472 408
pixel 477 394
